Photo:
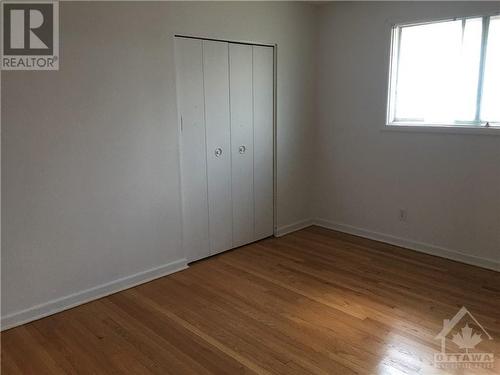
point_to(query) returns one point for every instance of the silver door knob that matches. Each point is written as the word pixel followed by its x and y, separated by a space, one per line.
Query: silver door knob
pixel 218 151
pixel 242 149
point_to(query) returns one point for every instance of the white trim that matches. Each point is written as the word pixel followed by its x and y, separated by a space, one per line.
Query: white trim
pixel 442 129
pixel 428 20
pixel 412 245
pixel 79 298
pixel 217 39
pixel 84 296
pixel 275 139
pixel 286 229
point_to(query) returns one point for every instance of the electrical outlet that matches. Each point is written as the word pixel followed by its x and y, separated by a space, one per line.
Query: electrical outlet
pixel 403 214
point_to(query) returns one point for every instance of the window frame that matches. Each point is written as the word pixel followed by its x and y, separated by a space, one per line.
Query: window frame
pixel 465 127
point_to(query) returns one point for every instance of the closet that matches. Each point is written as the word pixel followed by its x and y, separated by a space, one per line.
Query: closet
pixel 225 103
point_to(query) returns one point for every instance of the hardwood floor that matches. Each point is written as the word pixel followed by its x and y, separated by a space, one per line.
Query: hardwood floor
pixel 312 302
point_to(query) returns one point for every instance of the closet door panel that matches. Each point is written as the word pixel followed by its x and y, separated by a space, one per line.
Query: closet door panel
pixel 216 86
pixel 263 113
pixel 193 148
pixel 240 79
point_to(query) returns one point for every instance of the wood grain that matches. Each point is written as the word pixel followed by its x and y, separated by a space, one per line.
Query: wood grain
pixel 313 302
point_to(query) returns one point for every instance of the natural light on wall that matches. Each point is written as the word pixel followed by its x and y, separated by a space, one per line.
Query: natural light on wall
pixel 446 73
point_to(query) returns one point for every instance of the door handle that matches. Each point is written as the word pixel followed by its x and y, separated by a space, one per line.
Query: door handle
pixel 218 151
pixel 242 149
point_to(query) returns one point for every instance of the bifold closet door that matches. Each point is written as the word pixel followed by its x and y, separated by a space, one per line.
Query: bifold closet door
pixel 241 99
pixel 263 118
pixel 216 89
pixel 225 95
pixel 189 63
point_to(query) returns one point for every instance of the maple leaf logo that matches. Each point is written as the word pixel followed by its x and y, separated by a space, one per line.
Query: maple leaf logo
pixel 466 340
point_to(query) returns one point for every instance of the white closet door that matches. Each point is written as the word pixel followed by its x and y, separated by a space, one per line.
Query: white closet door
pixel 263 140
pixel 216 84
pixel 240 80
pixel 193 148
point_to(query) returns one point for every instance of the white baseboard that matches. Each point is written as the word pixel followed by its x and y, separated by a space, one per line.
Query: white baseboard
pixel 75 299
pixel 281 231
pixel 84 296
pixel 412 245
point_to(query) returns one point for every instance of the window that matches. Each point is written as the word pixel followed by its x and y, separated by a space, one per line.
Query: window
pixel 446 73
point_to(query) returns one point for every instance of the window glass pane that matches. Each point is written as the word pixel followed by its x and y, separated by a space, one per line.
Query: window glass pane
pixel 438 72
pixel 466 95
pixel 491 87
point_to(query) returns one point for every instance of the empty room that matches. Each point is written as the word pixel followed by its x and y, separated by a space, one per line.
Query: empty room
pixel 250 187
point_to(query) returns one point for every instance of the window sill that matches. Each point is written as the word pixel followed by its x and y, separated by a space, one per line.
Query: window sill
pixel 442 129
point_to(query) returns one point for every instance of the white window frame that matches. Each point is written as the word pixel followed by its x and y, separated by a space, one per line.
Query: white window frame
pixel 466 127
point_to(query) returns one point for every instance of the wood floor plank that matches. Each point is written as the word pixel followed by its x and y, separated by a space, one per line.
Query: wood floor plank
pixel 312 302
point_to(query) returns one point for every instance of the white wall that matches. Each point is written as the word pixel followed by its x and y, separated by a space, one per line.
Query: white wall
pixel 90 186
pixel 448 183
pixel 90 176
